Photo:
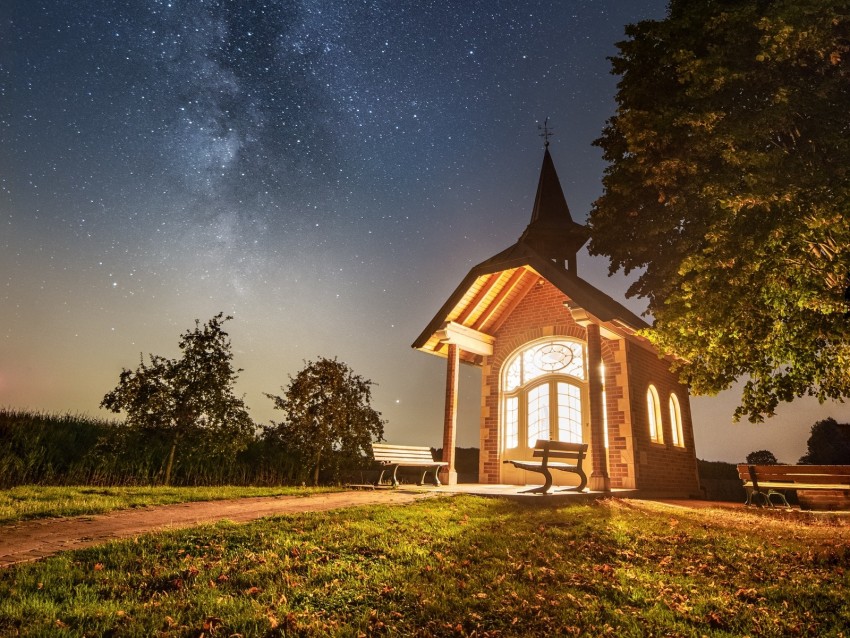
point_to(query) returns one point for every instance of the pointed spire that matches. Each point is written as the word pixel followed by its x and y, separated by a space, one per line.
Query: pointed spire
pixel 552 231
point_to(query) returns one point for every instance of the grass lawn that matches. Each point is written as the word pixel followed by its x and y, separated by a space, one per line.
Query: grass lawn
pixel 26 502
pixel 450 567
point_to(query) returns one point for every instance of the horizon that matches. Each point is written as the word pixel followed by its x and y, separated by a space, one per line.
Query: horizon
pixel 325 173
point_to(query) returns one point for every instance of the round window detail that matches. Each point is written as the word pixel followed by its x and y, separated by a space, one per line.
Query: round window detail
pixel 552 357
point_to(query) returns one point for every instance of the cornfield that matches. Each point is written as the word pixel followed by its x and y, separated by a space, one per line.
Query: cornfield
pixel 50 449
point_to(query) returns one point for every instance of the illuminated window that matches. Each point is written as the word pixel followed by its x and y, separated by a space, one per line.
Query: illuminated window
pixel 676 421
pixel 542 390
pixel 538 414
pixel 569 412
pixel 654 412
pixel 512 422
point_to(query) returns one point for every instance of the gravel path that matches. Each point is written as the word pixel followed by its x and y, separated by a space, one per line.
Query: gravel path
pixel 32 540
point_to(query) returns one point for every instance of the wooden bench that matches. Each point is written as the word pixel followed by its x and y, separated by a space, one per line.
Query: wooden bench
pixel 392 457
pixel 817 486
pixel 547 450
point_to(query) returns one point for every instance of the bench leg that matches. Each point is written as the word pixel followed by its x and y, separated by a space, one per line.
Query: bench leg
pixel 395 480
pixel 582 483
pixel 543 489
pixel 754 495
pixel 782 500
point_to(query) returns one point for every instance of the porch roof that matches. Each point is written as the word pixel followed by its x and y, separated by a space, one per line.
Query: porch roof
pixel 492 289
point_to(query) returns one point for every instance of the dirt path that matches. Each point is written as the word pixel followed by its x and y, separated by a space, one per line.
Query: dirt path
pixel 31 540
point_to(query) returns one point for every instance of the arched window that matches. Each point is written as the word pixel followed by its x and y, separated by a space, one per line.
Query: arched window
pixel 653 406
pixel 542 389
pixel 676 421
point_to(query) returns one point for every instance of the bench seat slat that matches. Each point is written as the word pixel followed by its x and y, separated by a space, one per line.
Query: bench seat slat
pixel 763 481
pixel 779 485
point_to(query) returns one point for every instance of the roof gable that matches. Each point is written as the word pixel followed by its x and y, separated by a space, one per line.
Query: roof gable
pixel 493 288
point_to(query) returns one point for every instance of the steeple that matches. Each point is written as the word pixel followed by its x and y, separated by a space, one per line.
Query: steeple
pixel 552 231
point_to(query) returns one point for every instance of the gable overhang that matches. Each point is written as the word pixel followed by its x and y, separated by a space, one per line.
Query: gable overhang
pixel 491 291
pixel 467 339
pixel 475 310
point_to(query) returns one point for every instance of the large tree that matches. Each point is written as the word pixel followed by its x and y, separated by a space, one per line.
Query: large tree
pixel 828 444
pixel 727 190
pixel 329 420
pixel 189 397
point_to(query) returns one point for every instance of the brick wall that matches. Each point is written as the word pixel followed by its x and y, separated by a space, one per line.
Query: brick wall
pixel 660 468
pixel 628 370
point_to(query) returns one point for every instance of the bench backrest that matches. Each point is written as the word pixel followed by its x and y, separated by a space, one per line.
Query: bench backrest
pixel 560 450
pixel 400 453
pixel 811 474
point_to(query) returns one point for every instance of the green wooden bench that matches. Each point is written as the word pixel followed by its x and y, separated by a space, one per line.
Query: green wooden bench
pixel 817 486
pixel 392 457
pixel 563 452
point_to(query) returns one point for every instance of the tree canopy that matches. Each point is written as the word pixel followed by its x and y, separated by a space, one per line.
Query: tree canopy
pixel 828 444
pixel 329 419
pixel 762 457
pixel 187 397
pixel 727 189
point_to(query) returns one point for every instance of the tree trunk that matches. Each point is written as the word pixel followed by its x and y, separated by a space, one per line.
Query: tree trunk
pixel 316 470
pixel 170 465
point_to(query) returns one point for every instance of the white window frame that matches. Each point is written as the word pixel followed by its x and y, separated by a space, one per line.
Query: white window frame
pixel 514 402
pixel 676 421
pixel 653 409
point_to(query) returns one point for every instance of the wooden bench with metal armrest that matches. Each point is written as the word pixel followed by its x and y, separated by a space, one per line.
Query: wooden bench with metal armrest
pixel 561 452
pixel 393 457
pixel 767 484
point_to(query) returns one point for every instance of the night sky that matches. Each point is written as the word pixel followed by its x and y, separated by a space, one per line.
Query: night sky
pixel 325 171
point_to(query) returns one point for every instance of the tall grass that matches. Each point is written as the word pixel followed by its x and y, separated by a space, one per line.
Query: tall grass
pixel 50 449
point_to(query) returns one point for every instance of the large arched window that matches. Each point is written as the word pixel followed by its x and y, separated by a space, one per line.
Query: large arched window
pixel 653 406
pixel 542 390
pixel 676 421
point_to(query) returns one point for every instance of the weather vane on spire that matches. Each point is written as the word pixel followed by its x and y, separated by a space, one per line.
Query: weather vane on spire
pixel 547 132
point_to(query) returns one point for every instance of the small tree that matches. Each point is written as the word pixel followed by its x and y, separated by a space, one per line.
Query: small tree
pixel 186 397
pixel 762 457
pixel 828 444
pixel 329 420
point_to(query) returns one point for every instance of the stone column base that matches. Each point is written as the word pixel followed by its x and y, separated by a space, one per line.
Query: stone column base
pixel 448 477
pixel 599 484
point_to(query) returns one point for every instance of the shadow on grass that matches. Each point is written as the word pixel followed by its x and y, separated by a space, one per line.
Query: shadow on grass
pixel 446 566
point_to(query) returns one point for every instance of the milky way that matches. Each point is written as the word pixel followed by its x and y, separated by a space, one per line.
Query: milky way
pixel 325 171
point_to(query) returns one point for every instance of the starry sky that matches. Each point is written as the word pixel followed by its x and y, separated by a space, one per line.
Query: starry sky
pixel 326 171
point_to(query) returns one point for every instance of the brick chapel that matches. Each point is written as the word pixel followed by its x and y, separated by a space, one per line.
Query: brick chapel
pixel 561 360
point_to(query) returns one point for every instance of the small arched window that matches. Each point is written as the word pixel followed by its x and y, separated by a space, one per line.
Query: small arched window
pixel 676 421
pixel 653 406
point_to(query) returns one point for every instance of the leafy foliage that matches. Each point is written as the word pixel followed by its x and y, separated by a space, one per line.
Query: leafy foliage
pixel 762 457
pixel 728 186
pixel 188 398
pixel 329 419
pixel 828 444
